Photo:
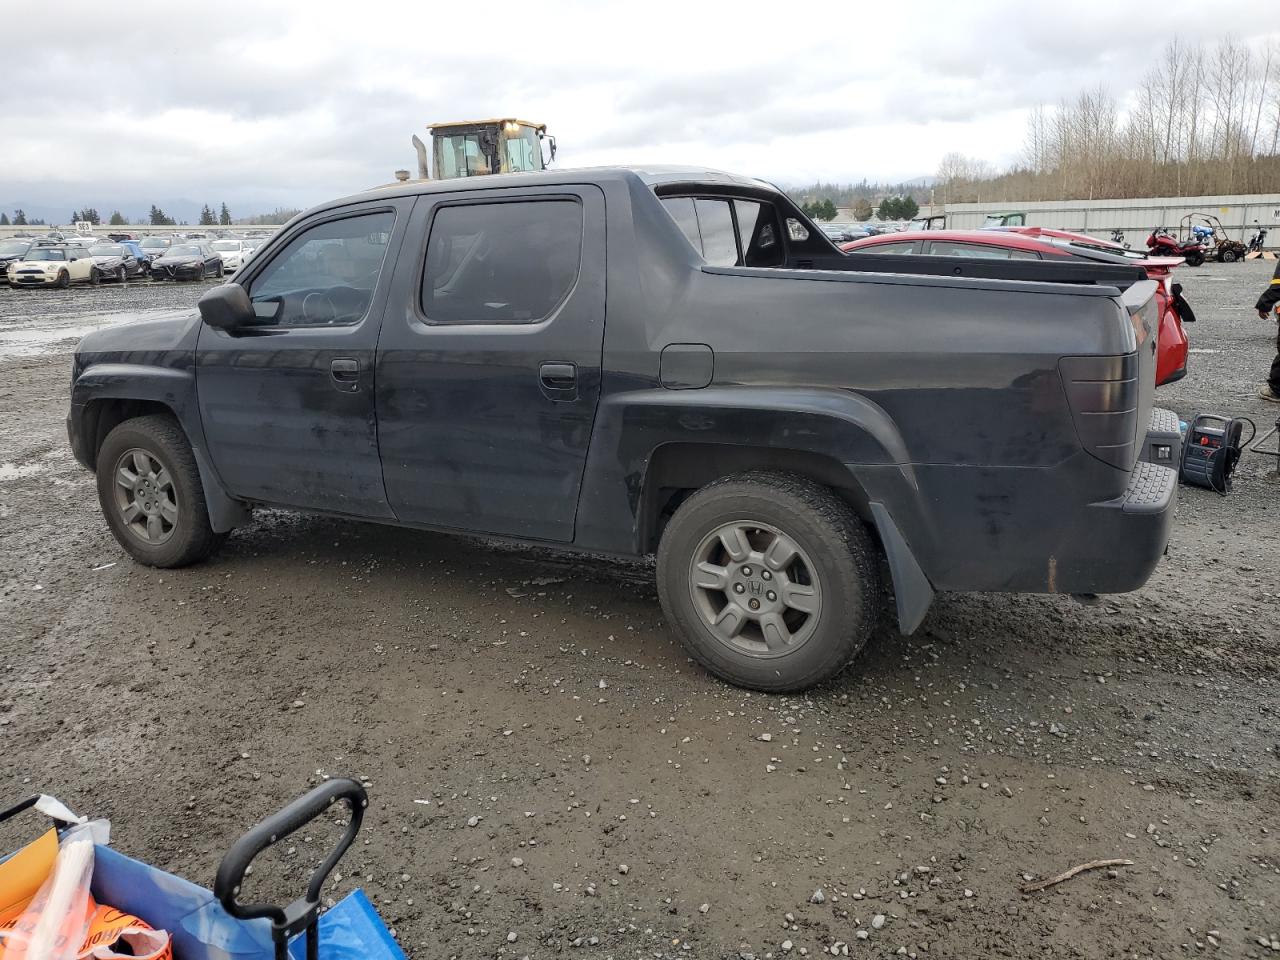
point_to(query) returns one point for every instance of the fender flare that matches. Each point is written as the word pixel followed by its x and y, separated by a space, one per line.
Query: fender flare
pixel 174 389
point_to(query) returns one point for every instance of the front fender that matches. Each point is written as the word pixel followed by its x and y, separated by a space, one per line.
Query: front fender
pixel 170 387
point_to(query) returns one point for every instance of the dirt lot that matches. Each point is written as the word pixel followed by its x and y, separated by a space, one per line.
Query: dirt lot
pixel 544 761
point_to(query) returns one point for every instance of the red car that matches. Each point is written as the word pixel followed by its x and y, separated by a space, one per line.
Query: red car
pixel 1039 243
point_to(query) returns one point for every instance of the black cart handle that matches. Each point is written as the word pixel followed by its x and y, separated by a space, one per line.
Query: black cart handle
pixel 300 914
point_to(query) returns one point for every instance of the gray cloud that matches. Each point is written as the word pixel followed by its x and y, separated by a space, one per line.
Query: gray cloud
pixel 294 102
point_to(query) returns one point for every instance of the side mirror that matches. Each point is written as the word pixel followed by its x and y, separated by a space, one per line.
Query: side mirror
pixel 226 307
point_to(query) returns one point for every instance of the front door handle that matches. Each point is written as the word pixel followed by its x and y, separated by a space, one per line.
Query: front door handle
pixel 559 381
pixel 345 373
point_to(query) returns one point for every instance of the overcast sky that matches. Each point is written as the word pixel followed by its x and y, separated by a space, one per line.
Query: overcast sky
pixel 265 103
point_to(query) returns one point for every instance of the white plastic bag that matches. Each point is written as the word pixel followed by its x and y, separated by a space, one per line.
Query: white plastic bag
pixel 54 925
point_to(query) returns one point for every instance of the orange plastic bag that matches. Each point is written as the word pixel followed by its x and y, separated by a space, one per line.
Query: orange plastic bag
pixel 109 928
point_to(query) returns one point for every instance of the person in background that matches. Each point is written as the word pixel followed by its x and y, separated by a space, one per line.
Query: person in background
pixel 1266 307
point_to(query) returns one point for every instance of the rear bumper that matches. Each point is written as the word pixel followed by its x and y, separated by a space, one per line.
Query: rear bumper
pixel 1163 444
pixel 1116 545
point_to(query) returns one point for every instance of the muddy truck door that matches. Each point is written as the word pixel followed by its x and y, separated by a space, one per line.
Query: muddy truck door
pixel 488 365
pixel 287 400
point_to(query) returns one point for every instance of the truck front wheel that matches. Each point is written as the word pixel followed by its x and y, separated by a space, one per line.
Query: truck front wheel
pixel 150 492
pixel 770 579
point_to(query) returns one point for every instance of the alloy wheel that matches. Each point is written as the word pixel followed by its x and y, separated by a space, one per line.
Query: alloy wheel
pixel 145 496
pixel 756 588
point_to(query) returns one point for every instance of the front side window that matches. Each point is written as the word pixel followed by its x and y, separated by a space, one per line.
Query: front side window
pixel 326 275
pixel 510 262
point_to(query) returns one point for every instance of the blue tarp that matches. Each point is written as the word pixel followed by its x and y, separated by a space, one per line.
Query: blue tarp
pixel 202 930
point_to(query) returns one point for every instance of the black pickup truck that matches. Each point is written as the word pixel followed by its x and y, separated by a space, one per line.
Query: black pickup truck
pixel 668 361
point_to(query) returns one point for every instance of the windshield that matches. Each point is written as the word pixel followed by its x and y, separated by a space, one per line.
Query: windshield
pixel 524 151
pixel 184 250
pixel 106 250
pixel 9 248
pixel 155 243
pixel 225 244
pixel 47 253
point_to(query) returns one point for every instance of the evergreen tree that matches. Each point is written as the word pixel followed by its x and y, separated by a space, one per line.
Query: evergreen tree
pixel 862 209
pixel 207 219
pixel 224 217
pixel 158 218
pixel 117 219
pixel 4 220
pixel 19 218
pixel 908 209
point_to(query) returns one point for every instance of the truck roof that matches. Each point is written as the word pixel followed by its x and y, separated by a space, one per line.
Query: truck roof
pixel 652 175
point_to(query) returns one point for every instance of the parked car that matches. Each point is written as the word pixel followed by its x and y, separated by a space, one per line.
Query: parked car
pixel 777 421
pixel 143 258
pixel 1038 243
pixel 233 252
pixel 114 261
pixel 117 236
pixel 10 252
pixel 53 266
pixel 187 261
pixel 155 246
pixel 843 232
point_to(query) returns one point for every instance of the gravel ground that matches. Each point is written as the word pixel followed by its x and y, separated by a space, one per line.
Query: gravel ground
pixel 546 765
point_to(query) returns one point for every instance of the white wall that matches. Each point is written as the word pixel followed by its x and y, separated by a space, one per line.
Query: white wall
pixel 1241 215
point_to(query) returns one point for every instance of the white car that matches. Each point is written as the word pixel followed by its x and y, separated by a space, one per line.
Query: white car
pixel 234 253
pixel 53 266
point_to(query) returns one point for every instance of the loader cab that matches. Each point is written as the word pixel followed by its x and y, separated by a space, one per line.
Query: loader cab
pixel 937 221
pixel 481 147
pixel 995 221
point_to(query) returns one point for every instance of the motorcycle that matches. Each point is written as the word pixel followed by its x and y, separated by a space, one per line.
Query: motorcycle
pixel 1258 240
pixel 1117 237
pixel 1160 243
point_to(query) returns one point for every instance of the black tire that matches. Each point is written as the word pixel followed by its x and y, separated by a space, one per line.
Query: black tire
pixel 190 539
pixel 121 274
pixel 95 277
pixel 1227 256
pixel 64 280
pixel 1195 260
pixel 831 539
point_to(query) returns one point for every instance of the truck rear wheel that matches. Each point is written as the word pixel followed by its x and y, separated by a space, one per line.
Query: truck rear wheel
pixel 150 492
pixel 771 581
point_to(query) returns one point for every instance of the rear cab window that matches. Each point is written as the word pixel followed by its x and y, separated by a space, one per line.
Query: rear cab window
pixel 729 231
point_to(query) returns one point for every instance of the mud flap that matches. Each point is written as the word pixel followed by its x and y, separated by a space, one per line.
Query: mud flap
pixel 911 587
pixel 224 513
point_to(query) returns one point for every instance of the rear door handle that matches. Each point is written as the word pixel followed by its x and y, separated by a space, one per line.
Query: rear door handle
pixel 345 373
pixel 559 381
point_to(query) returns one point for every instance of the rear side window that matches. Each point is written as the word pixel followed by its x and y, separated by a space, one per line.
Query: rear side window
pixel 949 248
pixel 504 262
pixel 898 248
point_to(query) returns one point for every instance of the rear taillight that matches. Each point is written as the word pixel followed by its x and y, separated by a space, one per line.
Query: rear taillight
pixel 1103 394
